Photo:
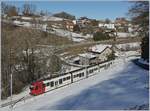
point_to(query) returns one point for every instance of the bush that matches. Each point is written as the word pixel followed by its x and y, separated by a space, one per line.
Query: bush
pixel 98 36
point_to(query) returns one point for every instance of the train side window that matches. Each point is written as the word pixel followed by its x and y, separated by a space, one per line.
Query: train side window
pixel 60 81
pixel 80 75
pixel 56 82
pixel 52 83
pixel 68 77
pixel 47 84
pixel 64 79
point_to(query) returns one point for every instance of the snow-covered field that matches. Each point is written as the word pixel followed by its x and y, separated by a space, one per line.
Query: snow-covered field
pixel 124 34
pixel 122 86
pixel 128 46
pixel 71 35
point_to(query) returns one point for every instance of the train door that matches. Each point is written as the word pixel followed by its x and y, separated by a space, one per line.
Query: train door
pixel 40 88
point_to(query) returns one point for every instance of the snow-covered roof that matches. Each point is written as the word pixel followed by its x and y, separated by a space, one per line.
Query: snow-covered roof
pixel 87 55
pixel 51 18
pixel 99 48
pixel 26 18
pixel 76 58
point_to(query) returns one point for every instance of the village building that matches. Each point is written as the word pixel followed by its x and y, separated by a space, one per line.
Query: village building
pixel 121 21
pixel 102 51
pixel 83 22
pixel 69 25
pixel 107 25
pixel 96 54
pixel 87 59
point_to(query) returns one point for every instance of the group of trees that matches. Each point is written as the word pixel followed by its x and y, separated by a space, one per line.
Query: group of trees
pixel 99 35
pixel 23 59
pixel 12 10
pixel 139 13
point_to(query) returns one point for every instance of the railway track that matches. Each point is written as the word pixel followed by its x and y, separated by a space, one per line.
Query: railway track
pixel 13 102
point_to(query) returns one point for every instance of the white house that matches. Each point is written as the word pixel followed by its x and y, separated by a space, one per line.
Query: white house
pixel 108 26
pixel 74 22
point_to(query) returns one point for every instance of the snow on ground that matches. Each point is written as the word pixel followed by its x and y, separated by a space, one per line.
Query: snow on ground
pixel 25 92
pixel 99 48
pixel 128 45
pixel 124 34
pixel 51 18
pixel 71 35
pixel 143 61
pixel 121 86
pixel 87 55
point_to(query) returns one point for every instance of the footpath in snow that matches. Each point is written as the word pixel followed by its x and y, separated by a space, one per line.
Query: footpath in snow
pixel 122 86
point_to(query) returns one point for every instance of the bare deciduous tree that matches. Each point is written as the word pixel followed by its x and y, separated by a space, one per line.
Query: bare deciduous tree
pixel 29 9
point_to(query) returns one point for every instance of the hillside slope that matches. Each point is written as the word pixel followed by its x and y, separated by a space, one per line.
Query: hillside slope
pixel 122 86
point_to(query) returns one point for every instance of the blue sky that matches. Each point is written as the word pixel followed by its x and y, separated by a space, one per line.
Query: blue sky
pixel 92 9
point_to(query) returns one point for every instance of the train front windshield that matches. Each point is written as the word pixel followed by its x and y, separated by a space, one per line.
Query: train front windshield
pixel 31 87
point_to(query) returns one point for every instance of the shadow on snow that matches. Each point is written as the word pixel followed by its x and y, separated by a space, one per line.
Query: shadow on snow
pixel 126 90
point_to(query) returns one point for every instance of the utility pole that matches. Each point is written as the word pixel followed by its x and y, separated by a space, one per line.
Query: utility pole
pixel 11 77
pixel 11 89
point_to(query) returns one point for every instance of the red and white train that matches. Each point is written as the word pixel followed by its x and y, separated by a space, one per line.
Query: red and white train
pixel 40 87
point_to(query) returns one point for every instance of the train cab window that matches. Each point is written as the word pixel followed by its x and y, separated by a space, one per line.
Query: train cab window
pixel 52 84
pixel 60 81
